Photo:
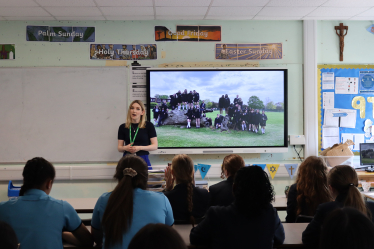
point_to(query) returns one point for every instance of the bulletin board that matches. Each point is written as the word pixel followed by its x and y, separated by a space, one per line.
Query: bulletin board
pixel 345 105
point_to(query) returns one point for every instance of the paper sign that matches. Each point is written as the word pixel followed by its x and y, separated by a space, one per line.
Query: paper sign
pixel 356 138
pixel 340 118
pixel 330 136
pixel 272 168
pixel 328 80
pixel 346 85
pixel 328 100
pixel 261 165
pixel 204 168
pixel 291 169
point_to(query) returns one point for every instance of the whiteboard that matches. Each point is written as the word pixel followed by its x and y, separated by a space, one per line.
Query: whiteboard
pixel 64 114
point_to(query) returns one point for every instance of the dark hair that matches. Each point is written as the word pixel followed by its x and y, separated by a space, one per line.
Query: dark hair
pixel 347 228
pixel 117 216
pixel 312 186
pixel 8 237
pixel 253 191
pixel 157 236
pixel 35 173
pixel 183 170
pixel 232 163
pixel 343 179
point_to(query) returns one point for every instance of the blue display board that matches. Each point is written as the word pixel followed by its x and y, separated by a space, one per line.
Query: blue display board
pixel 344 97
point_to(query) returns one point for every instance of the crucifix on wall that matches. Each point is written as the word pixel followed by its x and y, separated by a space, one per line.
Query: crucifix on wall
pixel 341 28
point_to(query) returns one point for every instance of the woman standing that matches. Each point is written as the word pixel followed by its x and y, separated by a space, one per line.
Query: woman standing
pixel 137 135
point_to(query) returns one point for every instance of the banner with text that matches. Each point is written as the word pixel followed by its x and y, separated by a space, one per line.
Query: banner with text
pixel 260 51
pixel 188 33
pixel 60 33
pixel 123 51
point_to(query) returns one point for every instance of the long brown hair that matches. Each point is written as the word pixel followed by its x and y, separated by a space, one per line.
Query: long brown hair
pixel 312 184
pixel 117 217
pixel 183 171
pixel 231 163
pixel 143 117
pixel 344 180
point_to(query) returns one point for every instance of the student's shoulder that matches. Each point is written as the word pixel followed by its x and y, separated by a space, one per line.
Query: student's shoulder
pixel 149 125
pixel 122 126
pixel 217 186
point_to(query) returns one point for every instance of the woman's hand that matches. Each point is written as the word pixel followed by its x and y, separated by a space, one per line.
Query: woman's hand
pixel 134 149
pixel 168 178
pixel 128 147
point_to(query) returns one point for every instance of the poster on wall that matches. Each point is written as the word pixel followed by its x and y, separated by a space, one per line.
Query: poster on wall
pixel 123 51
pixel 7 52
pixel 261 51
pixel 60 33
pixel 188 33
pixel 366 82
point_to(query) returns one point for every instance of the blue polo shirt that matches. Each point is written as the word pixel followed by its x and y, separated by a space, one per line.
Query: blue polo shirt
pixel 149 207
pixel 39 219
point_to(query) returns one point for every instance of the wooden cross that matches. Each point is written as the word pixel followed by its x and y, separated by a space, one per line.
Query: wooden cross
pixel 341 35
pixel 291 170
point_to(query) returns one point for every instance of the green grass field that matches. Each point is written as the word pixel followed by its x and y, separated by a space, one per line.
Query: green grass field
pixel 174 136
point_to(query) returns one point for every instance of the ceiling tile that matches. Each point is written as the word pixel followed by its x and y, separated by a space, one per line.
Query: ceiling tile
pixel 349 3
pixel 364 18
pixel 23 11
pixel 132 11
pixel 18 3
pixel 80 18
pixel 182 3
pixel 277 18
pixel 237 3
pixel 232 11
pixel 179 17
pixel 126 18
pixel 296 3
pixel 212 17
pixel 335 11
pixel 184 11
pixel 124 3
pixel 369 12
pixel 285 11
pixel 337 18
pixel 74 11
pixel 30 18
pixel 50 3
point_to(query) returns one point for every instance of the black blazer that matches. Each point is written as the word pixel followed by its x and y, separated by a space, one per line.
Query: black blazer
pixel 224 227
pixel 178 201
pixel 292 205
pixel 312 232
pixel 221 193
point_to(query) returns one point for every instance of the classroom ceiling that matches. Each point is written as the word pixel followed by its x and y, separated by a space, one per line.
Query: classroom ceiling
pixel 66 10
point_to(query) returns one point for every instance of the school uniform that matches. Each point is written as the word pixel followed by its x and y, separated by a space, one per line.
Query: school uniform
pixel 179 98
pixel 312 232
pixel 178 201
pixel 189 114
pixel 190 98
pixel 196 113
pixel 225 227
pixel 39 219
pixel 221 102
pixel 156 112
pixel 263 119
pixel 163 116
pixel 217 121
pixel 249 117
pixel 184 97
pixel 148 207
pixel 236 101
pixel 221 193
pixel 202 106
pixel 226 102
pixel 257 118
pixel 240 103
pixel 196 97
pixel 173 102
pixel 164 106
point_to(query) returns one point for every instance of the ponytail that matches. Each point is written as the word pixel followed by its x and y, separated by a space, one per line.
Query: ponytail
pixel 190 203
pixel 35 173
pixel 344 180
pixel 131 173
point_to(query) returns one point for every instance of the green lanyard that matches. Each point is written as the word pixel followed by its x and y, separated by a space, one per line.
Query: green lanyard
pixel 132 140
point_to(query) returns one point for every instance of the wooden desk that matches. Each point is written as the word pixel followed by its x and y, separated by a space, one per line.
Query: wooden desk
pixel 368 195
pixel 87 205
pixel 363 175
pixel 293 233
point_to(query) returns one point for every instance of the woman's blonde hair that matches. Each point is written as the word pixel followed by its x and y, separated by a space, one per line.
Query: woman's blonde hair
pixel 143 117
pixel 183 171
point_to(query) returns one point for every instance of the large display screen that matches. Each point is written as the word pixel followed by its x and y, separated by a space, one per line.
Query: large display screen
pixel 218 110
pixel 366 154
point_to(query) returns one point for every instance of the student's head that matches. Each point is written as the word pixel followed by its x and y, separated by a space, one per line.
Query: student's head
pixel 226 96
pixel 38 173
pixel 347 228
pixel 217 115
pixel 342 180
pixel 157 236
pixel 311 182
pixel 183 171
pixel 263 111
pixel 131 173
pixel 223 96
pixel 8 238
pixel 231 164
pixel 252 190
pixel 139 108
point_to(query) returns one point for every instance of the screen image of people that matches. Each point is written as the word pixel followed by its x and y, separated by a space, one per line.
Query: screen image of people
pixel 218 108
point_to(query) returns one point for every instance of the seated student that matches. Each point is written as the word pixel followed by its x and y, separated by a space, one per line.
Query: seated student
pixel 343 182
pixel 39 219
pixel 8 238
pixel 221 193
pixel 187 201
pixel 217 122
pixel 347 228
pixel 157 236
pixel 250 222
pixel 120 214
pixel 310 189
